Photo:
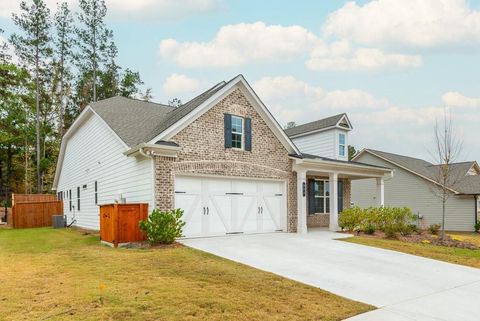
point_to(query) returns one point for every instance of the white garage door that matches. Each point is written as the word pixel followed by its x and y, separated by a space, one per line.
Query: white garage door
pixel 219 206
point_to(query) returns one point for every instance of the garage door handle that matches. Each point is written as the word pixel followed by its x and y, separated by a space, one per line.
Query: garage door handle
pixel 233 193
pixel 208 211
pixel 262 209
pixel 204 211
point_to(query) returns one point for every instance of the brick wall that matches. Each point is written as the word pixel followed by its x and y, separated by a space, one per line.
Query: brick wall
pixel 203 152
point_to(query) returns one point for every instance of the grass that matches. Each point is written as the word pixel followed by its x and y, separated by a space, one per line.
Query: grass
pixel 48 274
pixel 448 254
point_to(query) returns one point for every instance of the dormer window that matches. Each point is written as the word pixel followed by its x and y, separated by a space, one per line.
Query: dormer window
pixel 237 132
pixel 341 145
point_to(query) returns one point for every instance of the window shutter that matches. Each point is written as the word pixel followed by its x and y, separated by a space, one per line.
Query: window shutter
pixel 248 134
pixel 340 196
pixel 311 196
pixel 228 130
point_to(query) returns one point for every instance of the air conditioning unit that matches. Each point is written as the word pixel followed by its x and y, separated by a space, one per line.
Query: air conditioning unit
pixel 58 221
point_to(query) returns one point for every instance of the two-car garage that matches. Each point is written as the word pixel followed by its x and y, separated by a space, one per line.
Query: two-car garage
pixel 218 206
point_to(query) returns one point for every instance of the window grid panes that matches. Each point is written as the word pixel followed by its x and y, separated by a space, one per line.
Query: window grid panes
pixel 322 196
pixel 237 131
pixel 341 144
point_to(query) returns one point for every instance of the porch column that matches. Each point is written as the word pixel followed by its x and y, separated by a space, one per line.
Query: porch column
pixel 333 183
pixel 301 202
pixel 380 192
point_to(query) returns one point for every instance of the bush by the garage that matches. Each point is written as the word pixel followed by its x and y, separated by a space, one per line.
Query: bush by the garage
pixel 163 227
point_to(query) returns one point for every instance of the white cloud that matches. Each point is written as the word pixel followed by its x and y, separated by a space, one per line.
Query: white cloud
pixel 455 99
pixel 132 10
pixel 235 45
pixel 241 43
pixel 159 9
pixel 291 99
pixel 178 84
pixel 342 56
pixel 377 122
pixel 413 23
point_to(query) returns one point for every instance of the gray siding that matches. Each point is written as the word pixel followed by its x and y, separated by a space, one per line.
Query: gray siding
pixel 407 189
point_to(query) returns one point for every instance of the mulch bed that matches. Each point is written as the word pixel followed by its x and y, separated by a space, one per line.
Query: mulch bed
pixel 146 245
pixel 425 237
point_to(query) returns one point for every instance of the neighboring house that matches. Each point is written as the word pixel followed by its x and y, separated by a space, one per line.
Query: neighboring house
pixel 220 157
pixel 415 185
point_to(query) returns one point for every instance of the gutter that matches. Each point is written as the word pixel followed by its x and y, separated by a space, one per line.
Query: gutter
pixel 476 208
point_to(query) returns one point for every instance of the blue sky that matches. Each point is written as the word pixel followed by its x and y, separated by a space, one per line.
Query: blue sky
pixel 392 65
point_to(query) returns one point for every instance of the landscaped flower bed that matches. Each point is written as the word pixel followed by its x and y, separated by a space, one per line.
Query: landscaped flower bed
pixel 425 237
pixel 396 223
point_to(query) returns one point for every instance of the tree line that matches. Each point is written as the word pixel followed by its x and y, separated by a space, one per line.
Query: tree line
pixel 61 62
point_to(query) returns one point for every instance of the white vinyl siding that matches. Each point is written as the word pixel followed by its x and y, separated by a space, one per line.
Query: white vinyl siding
pixel 324 143
pixel 95 154
pixel 407 189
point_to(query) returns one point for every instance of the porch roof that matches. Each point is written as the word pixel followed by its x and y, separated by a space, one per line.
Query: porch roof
pixel 319 164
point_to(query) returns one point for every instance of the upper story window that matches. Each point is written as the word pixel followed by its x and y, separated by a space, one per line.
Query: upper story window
pixel 341 145
pixel 237 132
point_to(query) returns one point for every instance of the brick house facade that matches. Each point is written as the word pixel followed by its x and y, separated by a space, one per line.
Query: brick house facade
pixel 203 152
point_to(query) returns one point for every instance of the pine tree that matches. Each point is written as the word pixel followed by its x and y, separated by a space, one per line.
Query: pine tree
pixel 92 39
pixel 63 53
pixel 32 47
pixel 129 84
pixel 4 56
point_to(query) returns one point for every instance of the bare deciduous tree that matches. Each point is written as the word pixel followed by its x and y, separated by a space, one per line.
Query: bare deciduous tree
pixel 448 147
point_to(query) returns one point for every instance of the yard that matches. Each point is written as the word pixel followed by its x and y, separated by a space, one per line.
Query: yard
pixel 65 274
pixel 449 254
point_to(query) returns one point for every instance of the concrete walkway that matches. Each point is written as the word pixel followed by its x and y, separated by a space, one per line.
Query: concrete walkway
pixel 404 287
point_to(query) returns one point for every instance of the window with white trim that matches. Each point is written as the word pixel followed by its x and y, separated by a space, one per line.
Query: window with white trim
pixel 341 145
pixel 322 196
pixel 237 132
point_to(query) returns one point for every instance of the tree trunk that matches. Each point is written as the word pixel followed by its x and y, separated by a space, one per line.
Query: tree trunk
pixel 444 200
pixel 37 124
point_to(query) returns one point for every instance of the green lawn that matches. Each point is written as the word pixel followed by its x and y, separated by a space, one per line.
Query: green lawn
pixel 448 254
pixel 48 274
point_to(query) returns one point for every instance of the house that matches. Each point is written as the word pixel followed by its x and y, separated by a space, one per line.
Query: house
pixel 415 185
pixel 221 157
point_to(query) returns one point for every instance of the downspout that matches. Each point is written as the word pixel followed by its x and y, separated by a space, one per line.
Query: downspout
pixel 141 152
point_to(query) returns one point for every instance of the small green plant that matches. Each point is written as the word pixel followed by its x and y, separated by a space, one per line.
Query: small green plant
pixel 390 233
pixel 434 229
pixel 369 229
pixel 477 226
pixel 163 227
pixel 350 219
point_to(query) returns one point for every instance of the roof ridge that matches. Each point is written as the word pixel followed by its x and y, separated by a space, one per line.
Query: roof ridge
pixel 135 99
pixel 314 121
pixel 380 151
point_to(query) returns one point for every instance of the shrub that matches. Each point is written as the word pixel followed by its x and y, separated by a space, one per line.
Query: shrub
pixel 390 232
pixel 163 227
pixel 434 228
pixel 350 218
pixel 369 229
pixel 477 226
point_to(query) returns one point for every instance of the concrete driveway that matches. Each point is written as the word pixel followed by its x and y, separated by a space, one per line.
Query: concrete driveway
pixel 404 287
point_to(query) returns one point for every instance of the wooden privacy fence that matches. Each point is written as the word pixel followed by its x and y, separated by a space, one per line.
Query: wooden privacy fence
pixel 34 210
pixel 119 223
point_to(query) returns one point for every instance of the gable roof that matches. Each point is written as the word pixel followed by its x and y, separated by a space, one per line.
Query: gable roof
pixel 131 119
pixel 137 121
pixel 468 184
pixel 319 125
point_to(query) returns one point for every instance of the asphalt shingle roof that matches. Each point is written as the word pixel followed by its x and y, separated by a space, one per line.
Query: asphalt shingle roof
pixel 460 181
pixel 311 156
pixel 137 121
pixel 314 125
